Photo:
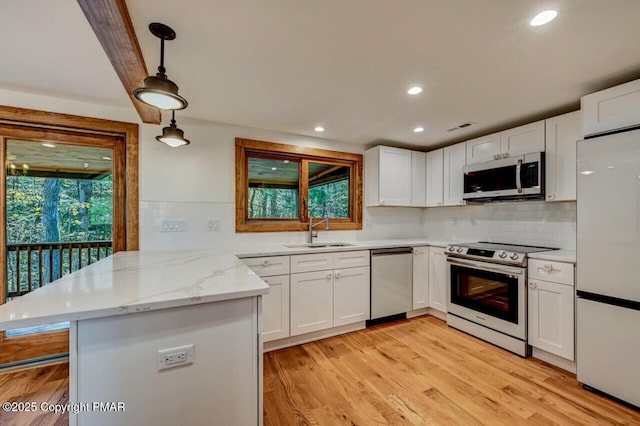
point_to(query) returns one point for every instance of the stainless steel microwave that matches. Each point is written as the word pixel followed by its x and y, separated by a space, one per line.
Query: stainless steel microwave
pixel 511 178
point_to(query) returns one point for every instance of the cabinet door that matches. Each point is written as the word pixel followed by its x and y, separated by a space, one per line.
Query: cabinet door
pixel 437 279
pixel 351 293
pixel 551 317
pixel 523 140
pixel 611 109
pixel 395 176
pixel 275 309
pixel 311 302
pixel 420 277
pixel 435 165
pixel 562 133
pixel 418 179
pixel 483 149
pixel 454 161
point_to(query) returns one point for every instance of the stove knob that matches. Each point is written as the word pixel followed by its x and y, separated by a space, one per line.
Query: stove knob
pixel 459 250
pixel 514 256
pixel 452 248
pixel 502 254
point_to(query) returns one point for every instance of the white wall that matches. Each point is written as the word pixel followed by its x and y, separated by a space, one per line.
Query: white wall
pixel 532 223
pixel 197 183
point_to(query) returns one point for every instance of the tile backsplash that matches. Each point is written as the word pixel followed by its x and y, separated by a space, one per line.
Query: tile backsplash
pixel 533 223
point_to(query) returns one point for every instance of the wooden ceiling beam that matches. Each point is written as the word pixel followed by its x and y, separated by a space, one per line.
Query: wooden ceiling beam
pixel 112 24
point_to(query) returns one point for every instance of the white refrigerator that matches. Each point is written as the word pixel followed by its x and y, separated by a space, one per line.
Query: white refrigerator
pixel 608 265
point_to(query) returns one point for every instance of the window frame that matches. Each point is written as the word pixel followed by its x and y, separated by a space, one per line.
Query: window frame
pixel 305 155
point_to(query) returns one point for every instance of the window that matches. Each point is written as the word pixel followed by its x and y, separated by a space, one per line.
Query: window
pixel 278 185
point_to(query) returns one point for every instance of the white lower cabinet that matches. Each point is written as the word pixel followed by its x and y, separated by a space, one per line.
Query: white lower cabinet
pixel 437 279
pixel 350 288
pixel 420 277
pixel 311 301
pixel 275 308
pixel 274 270
pixel 552 308
pixel 329 297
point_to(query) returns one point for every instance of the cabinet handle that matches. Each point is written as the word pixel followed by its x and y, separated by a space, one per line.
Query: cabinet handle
pixel 337 274
pixel 532 285
pixel 329 275
pixel 439 203
pixel 265 262
pixel 551 196
pixel 382 202
pixel 548 267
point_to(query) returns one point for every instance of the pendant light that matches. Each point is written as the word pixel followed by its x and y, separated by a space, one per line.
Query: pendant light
pixel 172 135
pixel 158 90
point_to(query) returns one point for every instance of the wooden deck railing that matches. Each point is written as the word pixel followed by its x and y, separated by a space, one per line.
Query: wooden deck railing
pixel 30 266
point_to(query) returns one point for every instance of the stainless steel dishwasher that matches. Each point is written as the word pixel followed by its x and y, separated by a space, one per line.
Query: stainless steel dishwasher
pixel 391 282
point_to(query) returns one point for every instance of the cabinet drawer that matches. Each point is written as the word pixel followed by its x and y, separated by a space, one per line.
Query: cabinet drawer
pixel 557 272
pixel 350 259
pixel 311 262
pixel 268 266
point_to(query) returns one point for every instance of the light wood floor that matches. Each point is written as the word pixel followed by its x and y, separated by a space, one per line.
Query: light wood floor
pixel 40 384
pixel 422 372
pixel 411 372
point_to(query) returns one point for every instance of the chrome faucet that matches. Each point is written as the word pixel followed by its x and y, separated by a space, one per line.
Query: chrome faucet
pixel 313 233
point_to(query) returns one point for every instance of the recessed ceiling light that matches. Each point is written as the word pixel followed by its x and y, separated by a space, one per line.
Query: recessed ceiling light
pixel 544 17
pixel 86 165
pixel 319 129
pixel 25 166
pixel 418 129
pixel 13 166
pixel 49 145
pixel 414 90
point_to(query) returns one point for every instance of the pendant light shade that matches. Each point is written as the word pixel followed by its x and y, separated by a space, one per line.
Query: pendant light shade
pixel 172 135
pixel 158 90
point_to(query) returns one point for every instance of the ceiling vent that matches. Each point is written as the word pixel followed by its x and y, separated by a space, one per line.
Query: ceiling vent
pixel 461 126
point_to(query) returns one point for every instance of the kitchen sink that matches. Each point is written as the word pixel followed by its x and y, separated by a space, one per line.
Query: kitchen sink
pixel 318 245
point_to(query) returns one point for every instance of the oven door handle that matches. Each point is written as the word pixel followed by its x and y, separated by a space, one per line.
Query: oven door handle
pixel 487 266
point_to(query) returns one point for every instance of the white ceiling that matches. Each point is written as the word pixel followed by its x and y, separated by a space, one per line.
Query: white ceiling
pixel 290 65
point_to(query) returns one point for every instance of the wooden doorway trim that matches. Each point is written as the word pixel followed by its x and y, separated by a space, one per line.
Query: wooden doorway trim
pixel 19 120
pixel 74 124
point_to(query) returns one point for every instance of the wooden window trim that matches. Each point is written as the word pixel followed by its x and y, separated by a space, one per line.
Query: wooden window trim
pixel 327 156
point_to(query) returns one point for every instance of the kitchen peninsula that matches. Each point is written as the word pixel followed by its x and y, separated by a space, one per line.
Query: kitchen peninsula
pixel 125 311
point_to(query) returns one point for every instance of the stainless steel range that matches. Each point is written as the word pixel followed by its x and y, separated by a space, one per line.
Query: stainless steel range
pixel 487 293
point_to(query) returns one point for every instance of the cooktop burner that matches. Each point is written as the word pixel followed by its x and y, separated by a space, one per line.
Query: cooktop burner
pixel 510 254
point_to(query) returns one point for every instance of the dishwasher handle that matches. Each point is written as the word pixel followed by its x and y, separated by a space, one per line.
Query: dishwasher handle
pixel 393 250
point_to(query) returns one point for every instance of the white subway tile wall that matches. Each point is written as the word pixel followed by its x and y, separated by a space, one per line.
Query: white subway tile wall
pixel 533 223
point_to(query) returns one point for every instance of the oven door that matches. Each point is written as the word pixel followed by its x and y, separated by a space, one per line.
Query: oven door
pixel 488 294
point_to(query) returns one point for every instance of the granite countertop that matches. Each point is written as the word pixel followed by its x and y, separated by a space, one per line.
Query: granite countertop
pixel 567 256
pixel 135 281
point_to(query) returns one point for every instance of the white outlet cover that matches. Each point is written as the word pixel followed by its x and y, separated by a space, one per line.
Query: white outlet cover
pixel 164 353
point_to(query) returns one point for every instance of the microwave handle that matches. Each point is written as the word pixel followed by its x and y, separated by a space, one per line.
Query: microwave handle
pixel 519 177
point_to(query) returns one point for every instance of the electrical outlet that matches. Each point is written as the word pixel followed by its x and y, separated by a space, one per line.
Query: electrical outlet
pixel 175 357
pixel 214 225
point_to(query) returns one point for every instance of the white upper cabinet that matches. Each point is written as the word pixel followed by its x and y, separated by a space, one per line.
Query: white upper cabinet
pixel 523 140
pixel 517 141
pixel 611 109
pixel 562 132
pixel 387 176
pixel 484 148
pixel 435 182
pixel 454 160
pixel 418 179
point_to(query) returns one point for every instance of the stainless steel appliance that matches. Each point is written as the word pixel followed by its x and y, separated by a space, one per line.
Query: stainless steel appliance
pixel 608 264
pixel 487 292
pixel 517 177
pixel 391 282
